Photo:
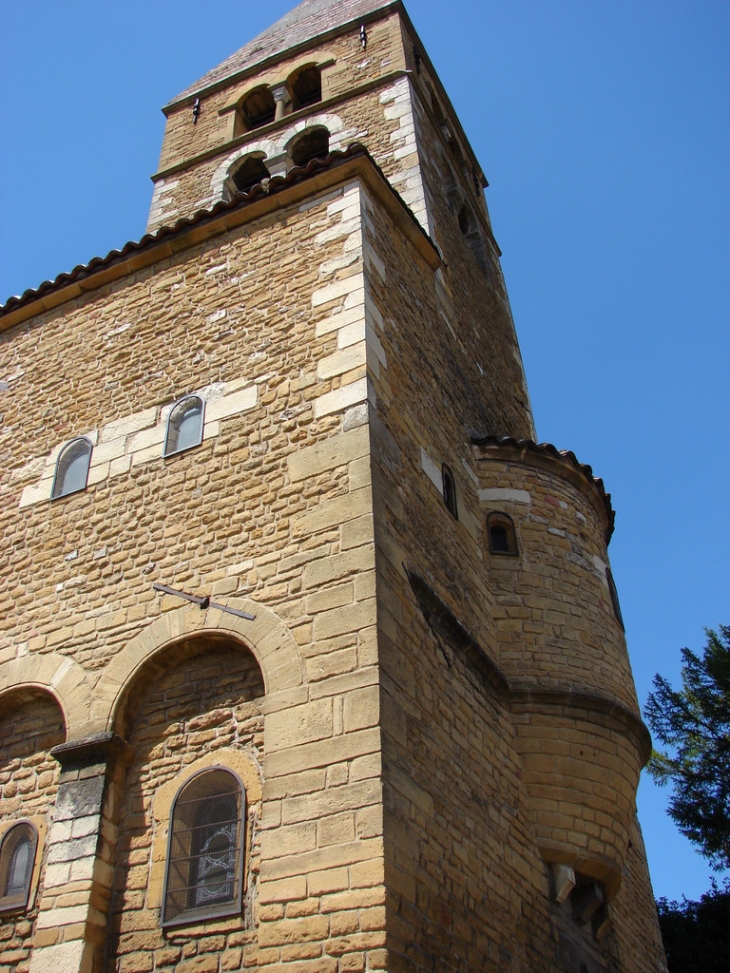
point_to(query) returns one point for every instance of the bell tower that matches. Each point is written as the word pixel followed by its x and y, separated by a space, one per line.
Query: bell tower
pixel 331 645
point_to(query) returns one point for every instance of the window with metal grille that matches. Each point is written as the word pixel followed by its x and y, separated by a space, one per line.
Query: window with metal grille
pixel 185 425
pixel 17 856
pixel 205 854
pixel 72 468
pixel 449 488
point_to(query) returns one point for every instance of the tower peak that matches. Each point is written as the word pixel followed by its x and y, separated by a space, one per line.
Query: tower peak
pixel 307 21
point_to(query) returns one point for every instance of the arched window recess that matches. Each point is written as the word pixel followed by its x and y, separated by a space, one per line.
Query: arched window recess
pixel 501 534
pixel 204 873
pixel 185 425
pixel 17 857
pixel 72 468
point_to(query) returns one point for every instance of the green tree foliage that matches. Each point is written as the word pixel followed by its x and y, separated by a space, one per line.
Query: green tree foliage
pixel 695 723
pixel 697 934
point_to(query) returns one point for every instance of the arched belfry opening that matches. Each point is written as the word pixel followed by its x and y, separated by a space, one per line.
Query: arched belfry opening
pixel 249 172
pixel 306 86
pixel 257 108
pixel 312 143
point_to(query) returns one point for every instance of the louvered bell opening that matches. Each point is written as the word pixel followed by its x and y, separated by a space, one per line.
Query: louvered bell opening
pixel 205 860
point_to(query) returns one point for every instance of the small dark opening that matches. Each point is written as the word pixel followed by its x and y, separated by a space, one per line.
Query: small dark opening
pixel 464 220
pixel 306 87
pixel 449 491
pixel 498 540
pixel 259 108
pixel 501 534
pixel 314 143
pixel 614 599
pixel 251 171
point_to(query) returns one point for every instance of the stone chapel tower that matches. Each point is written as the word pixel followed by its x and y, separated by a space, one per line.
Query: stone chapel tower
pixel 311 660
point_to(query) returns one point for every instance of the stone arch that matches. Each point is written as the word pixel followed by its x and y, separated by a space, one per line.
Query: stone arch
pixel 274 147
pixel 265 147
pixel 59 677
pixel 333 123
pixel 267 637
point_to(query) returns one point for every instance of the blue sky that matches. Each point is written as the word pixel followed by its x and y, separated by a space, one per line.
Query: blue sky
pixel 603 127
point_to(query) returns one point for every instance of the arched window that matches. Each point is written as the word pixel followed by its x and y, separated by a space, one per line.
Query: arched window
pixel 449 488
pixel 185 425
pixel 501 534
pixel 258 108
pixel 249 172
pixel 313 143
pixel 613 591
pixel 17 856
pixel 306 86
pixel 204 875
pixel 72 468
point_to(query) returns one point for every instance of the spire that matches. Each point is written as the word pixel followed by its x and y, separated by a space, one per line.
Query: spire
pixel 306 21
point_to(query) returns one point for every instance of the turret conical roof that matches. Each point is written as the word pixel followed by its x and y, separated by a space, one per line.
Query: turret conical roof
pixel 307 20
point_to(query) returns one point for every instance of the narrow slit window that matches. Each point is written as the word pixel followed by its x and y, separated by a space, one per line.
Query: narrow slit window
pixel 449 488
pixel 204 876
pixel 501 534
pixel 17 857
pixel 613 591
pixel 185 425
pixel 72 468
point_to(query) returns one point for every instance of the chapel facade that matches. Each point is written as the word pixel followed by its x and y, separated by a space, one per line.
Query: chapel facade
pixel 311 659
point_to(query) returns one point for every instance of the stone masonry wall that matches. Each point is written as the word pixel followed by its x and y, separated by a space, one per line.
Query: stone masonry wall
pixel 29 727
pixel 199 705
pixel 462 863
pixel 275 507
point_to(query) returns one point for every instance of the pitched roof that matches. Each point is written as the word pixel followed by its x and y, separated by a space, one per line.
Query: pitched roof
pixel 263 190
pixel 306 21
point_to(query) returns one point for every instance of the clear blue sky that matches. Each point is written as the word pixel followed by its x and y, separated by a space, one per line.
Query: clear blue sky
pixel 604 129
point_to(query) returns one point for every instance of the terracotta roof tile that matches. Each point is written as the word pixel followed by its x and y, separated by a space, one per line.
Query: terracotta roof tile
pixel 264 188
pixel 526 447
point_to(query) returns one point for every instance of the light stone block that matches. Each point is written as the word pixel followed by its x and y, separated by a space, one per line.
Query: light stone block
pixel 231 405
pixel 299 725
pixel 505 493
pixel 340 288
pixel 61 958
pixel 341 398
pixel 328 455
pixel 337 321
pixel 342 361
pixel 432 471
pixel 120 428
